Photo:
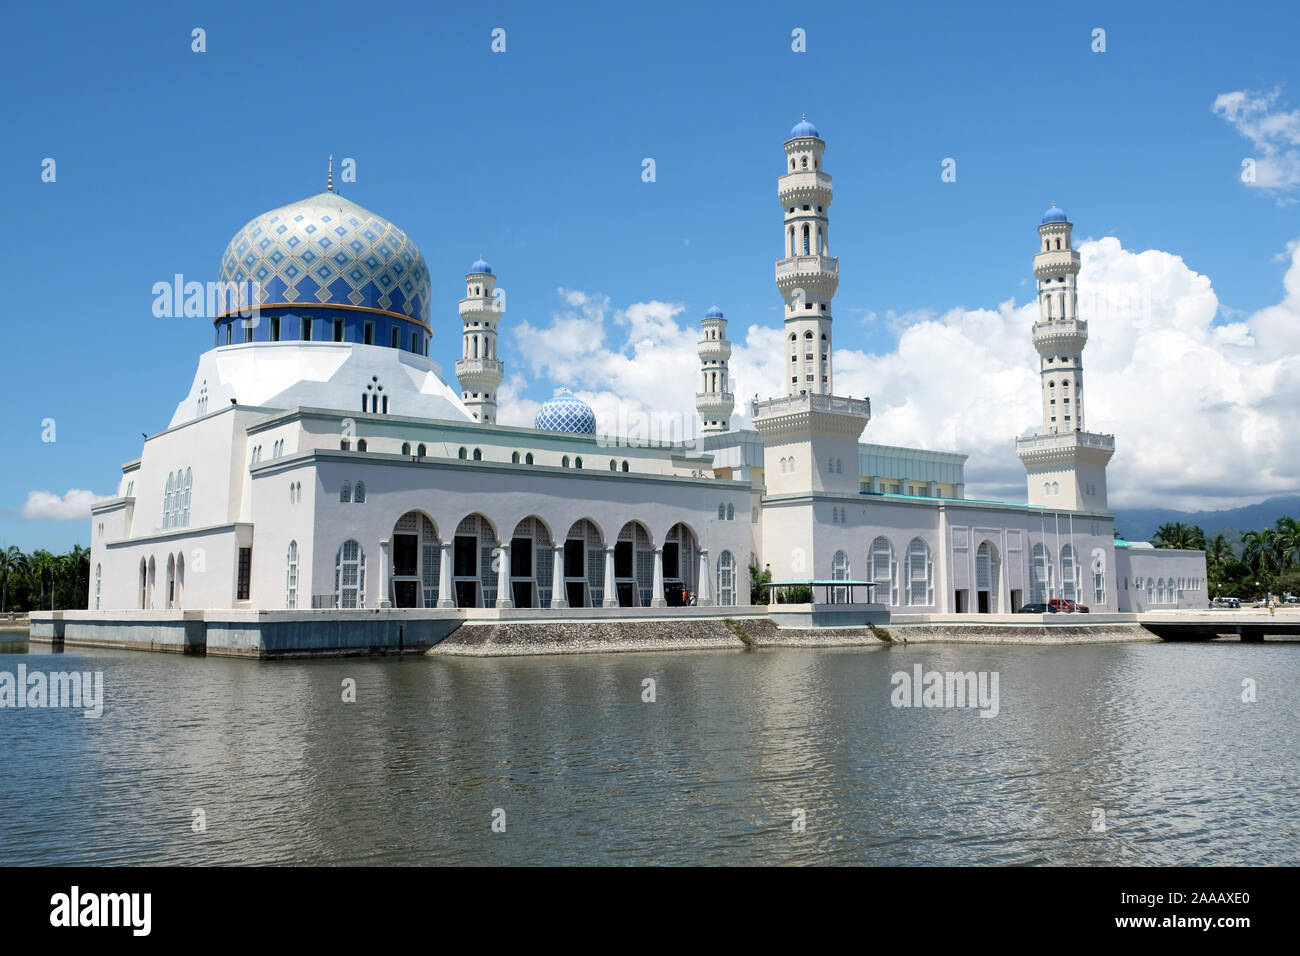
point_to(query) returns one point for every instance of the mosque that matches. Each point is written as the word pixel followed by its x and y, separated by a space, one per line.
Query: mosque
pixel 321 460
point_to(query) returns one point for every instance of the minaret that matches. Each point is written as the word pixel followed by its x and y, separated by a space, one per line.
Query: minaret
pixel 810 435
pixel 478 369
pixel 714 400
pixel 1066 464
pixel 807 276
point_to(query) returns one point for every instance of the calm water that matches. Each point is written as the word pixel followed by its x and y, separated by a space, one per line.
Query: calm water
pixel 286 773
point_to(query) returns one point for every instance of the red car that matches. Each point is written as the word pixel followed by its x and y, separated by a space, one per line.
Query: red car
pixel 1066 605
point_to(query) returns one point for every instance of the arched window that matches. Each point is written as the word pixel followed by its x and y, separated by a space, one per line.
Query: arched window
pixel 920 574
pixel 298 486
pixel 478 454
pixel 421 450
pixel 528 458
pixel 1040 571
pixel 514 458
pixel 168 499
pixel 345 445
pixel 726 579
pixel 144 579
pixel 345 492
pixel 1069 574
pixel 722 512
pixel 804 162
pixel 291 493
pixel 1056 487
pixel 1047 487
pixel 291 576
pixel 98 571
pixel 406 448
pixel 577 462
pixel 625 467
pixel 361 445
pixel 613 465
pixel 385 404
pixel 565 462
pixel 731 512
pixel 462 454
pixel 840 572
pixel 360 495
pixel 350 576
pixel 805 240
pixel 1058 243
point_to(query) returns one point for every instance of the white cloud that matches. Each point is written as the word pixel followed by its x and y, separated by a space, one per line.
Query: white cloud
pixel 1273 132
pixel 73 506
pixel 1204 414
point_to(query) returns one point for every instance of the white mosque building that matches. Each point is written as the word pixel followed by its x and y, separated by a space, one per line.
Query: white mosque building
pixel 321 461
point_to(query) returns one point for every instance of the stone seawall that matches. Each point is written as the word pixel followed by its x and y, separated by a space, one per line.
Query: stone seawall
pixel 583 637
pixel 1054 633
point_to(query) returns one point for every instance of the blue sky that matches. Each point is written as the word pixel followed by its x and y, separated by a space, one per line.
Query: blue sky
pixel 533 158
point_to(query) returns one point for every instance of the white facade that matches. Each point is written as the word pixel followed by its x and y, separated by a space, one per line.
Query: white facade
pixel 314 474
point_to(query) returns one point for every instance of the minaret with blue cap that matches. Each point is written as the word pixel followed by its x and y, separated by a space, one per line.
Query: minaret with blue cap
pixel 479 370
pixel 807 276
pixel 1066 464
pixel 714 400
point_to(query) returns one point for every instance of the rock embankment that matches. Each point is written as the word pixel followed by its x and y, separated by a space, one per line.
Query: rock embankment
pixel 583 637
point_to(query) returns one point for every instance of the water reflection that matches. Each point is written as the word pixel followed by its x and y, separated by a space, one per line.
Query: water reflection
pixel 712 771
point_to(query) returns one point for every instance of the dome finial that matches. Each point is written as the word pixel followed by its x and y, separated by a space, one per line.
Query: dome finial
pixel 329 182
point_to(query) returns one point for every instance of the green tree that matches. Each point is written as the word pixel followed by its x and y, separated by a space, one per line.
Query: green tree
pixel 13 563
pixel 757 593
pixel 1218 552
pixel 1288 541
pixel 1175 534
pixel 44 567
pixel 1260 551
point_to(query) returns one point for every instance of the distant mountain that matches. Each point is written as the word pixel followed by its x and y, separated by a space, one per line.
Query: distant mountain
pixel 1139 524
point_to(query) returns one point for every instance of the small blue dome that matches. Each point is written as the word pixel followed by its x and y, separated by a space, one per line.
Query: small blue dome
pixel 714 313
pixel 804 128
pixel 1054 215
pixel 566 413
pixel 480 267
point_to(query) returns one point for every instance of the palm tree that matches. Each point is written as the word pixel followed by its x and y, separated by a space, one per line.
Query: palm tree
pixel 44 566
pixel 1218 552
pixel 1187 537
pixel 1259 550
pixel 11 561
pixel 75 570
pixel 1288 540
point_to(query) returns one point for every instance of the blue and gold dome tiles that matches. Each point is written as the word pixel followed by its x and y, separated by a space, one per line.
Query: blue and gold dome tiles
pixel 328 250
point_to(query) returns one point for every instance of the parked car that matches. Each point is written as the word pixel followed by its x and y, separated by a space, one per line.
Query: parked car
pixel 1036 609
pixel 1064 605
pixel 1226 602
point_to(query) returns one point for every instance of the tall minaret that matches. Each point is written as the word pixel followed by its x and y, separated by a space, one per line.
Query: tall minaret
pixel 714 400
pixel 478 369
pixel 807 276
pixel 1066 464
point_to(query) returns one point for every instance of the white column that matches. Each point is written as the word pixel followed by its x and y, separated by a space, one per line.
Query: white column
pixel 444 577
pixel 657 590
pixel 703 595
pixel 611 592
pixel 559 598
pixel 504 596
pixel 383 574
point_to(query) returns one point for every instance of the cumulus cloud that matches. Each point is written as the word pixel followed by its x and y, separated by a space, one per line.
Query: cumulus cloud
pixel 74 505
pixel 1203 411
pixel 1274 132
